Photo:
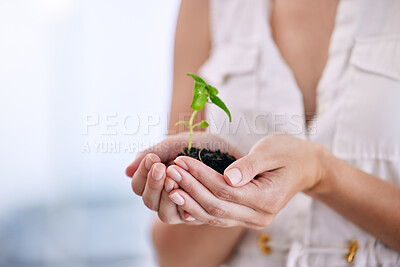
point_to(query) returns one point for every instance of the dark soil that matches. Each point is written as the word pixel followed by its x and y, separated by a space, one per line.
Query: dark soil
pixel 214 159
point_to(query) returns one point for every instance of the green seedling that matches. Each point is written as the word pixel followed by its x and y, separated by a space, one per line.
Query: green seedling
pixel 202 93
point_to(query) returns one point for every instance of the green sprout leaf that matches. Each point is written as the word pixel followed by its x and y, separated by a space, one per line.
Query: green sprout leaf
pixel 202 92
pixel 199 96
pixel 211 90
pixel 181 122
pixel 217 101
pixel 196 78
pixel 202 124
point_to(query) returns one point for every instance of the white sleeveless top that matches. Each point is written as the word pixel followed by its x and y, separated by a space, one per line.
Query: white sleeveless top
pixel 358 119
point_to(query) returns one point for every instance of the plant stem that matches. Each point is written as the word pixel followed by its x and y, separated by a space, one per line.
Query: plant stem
pixel 191 129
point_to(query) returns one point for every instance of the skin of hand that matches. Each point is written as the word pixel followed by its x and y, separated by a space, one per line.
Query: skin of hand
pixel 149 177
pixel 257 186
pixel 253 189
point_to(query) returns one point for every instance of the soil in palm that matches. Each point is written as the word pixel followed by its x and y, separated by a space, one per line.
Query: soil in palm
pixel 214 159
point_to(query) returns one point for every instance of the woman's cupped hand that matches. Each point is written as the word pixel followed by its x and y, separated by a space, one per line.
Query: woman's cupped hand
pixel 251 192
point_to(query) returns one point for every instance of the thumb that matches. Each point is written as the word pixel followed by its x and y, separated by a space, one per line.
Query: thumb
pixel 246 168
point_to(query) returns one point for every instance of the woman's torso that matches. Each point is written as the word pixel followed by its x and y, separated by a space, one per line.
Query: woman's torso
pixel 357 118
pixel 302 31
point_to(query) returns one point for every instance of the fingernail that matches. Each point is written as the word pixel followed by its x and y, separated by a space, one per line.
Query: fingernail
pixel 149 161
pixel 177 199
pixel 169 185
pixel 174 174
pixel 190 218
pixel 234 175
pixel 157 173
pixel 181 163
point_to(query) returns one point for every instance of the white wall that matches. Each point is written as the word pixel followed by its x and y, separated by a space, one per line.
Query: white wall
pixel 60 62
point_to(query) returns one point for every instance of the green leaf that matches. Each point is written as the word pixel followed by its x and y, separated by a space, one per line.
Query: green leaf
pixel 199 96
pixel 181 122
pixel 196 78
pixel 211 90
pixel 217 101
pixel 202 124
pixel 202 91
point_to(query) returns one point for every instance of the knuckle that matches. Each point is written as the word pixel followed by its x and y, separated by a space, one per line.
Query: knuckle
pixel 189 188
pixel 231 194
pixel 224 194
pixel 149 204
pixel 153 185
pixel 250 168
pixel 217 211
pixel 237 195
pixel 216 222
pixel 260 221
pixel 256 227
pixel 273 206
pixel 136 189
pixel 265 221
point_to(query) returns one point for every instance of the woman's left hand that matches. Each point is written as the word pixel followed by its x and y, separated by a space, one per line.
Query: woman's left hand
pixel 254 188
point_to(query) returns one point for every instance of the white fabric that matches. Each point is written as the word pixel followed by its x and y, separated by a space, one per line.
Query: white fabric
pixel 358 118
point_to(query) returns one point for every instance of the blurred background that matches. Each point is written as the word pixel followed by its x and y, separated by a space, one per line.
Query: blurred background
pixel 84 85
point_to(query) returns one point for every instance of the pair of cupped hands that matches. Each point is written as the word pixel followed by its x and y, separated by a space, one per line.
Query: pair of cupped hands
pixel 251 192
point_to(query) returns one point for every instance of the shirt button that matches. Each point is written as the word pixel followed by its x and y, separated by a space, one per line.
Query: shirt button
pixel 263 244
pixel 353 246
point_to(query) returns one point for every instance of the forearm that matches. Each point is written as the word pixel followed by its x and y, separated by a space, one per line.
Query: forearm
pixel 191 50
pixel 366 200
pixel 184 245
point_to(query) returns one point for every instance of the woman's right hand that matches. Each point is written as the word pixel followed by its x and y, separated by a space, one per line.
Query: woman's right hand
pixel 148 181
pixel 149 177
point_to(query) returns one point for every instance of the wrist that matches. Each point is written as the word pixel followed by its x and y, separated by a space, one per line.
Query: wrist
pixel 325 162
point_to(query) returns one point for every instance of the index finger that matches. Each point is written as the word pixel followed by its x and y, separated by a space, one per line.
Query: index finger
pixel 139 178
pixel 257 194
pixel 211 179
